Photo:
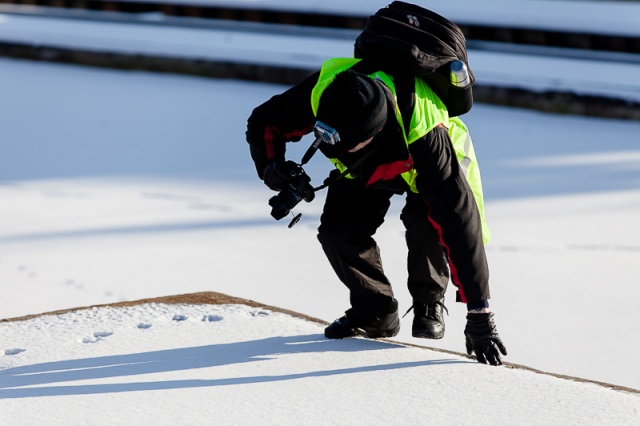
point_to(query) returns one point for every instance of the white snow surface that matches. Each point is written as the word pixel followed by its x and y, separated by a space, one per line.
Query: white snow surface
pixel 234 365
pixel 127 185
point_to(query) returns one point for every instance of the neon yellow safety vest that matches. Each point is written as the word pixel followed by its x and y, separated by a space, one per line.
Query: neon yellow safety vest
pixel 428 112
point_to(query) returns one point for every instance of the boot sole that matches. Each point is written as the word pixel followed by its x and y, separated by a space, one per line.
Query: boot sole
pixel 356 332
pixel 379 334
pixel 428 336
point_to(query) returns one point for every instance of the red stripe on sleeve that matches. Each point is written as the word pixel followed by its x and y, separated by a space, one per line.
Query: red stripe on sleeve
pixel 268 143
pixel 455 279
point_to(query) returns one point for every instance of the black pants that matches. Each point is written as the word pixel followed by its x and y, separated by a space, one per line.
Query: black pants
pixel 352 215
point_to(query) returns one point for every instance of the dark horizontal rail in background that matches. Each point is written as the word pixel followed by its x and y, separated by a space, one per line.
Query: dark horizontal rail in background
pixel 548 101
pixel 518 35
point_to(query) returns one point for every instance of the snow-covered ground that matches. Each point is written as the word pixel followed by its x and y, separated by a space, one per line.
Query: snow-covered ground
pixel 125 185
pixel 234 365
pixel 161 364
pixel 128 185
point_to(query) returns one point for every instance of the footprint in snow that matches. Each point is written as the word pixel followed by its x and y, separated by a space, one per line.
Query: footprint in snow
pixel 98 335
pixel 75 284
pixel 28 272
pixel 143 326
pixel 179 318
pixel 212 318
pixel 13 351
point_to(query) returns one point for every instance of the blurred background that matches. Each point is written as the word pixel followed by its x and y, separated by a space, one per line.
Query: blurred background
pixel 517 46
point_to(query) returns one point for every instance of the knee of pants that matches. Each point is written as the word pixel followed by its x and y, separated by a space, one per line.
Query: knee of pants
pixel 350 237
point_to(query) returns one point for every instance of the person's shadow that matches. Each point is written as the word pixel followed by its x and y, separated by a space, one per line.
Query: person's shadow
pixel 14 380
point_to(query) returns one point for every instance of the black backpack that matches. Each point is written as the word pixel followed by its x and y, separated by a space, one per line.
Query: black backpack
pixel 405 38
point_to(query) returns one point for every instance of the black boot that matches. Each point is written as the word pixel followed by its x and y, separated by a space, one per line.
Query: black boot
pixel 385 325
pixel 428 321
pixel 343 327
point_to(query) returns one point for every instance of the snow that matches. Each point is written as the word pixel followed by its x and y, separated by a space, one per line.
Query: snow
pixel 128 185
pixel 122 186
pixel 231 364
pixel 589 16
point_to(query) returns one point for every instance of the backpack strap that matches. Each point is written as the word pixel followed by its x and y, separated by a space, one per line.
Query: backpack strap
pixel 405 93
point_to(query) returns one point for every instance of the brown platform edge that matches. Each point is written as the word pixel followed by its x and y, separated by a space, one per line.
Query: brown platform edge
pixel 215 298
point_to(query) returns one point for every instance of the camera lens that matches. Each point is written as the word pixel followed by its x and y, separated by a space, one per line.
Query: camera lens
pixel 299 188
pixel 282 203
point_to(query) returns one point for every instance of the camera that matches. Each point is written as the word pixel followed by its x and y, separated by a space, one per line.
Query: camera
pixel 299 188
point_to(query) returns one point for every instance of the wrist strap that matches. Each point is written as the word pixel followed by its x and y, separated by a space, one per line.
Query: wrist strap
pixel 479 311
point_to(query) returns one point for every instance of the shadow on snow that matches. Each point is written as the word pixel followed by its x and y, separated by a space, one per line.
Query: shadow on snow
pixel 14 380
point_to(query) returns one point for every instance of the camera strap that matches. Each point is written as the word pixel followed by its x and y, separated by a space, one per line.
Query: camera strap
pixel 310 151
pixel 313 148
pixel 334 178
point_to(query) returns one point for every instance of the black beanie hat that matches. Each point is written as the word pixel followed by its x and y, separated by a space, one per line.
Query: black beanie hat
pixel 355 105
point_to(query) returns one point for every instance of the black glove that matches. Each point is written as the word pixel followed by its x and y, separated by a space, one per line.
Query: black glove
pixel 278 174
pixel 482 338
